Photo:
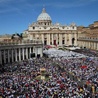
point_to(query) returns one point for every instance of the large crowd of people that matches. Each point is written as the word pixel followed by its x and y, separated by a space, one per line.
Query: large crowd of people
pixel 68 78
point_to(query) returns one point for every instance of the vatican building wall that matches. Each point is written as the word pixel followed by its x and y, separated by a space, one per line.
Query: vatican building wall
pixel 88 36
pixel 52 34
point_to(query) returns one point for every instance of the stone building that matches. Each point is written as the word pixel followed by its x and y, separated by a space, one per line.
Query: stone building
pixel 52 34
pixel 16 49
pixel 88 36
pixel 5 37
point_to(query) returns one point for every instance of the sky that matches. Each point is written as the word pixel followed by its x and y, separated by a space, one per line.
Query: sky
pixel 16 15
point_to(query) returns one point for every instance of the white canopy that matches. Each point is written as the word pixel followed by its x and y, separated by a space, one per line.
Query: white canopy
pixel 52 52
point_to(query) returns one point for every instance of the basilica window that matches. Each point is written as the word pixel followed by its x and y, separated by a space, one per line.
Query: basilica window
pixel 73 27
pixel 33 27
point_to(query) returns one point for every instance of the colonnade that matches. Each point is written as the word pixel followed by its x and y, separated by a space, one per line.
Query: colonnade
pixel 8 55
pixel 88 44
pixel 59 37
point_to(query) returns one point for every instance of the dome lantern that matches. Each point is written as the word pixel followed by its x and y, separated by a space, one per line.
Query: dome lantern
pixel 43 11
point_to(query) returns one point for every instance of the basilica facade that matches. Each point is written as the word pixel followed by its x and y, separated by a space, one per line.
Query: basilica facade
pixel 52 34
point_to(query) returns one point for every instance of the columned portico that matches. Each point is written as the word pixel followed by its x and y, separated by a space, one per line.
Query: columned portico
pixel 14 53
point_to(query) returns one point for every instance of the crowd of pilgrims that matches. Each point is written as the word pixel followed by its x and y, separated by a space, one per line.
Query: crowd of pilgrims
pixel 68 78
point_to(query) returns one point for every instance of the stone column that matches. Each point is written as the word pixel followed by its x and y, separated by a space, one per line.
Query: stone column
pixel 23 53
pixel 33 49
pixel 97 46
pixel 48 39
pixel 52 39
pixel 75 41
pixel 0 57
pixel 30 50
pixel 12 56
pixel 8 56
pixel 94 45
pixel 42 36
pixel 26 53
pixel 56 39
pixel 19 55
pixel 82 44
pixel 30 53
pixel 86 44
pixel 65 39
pixel 60 39
pixel 70 39
pixel 4 56
pixel 16 54
pixel 89 44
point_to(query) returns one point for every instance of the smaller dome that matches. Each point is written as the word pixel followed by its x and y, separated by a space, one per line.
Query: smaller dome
pixel 43 16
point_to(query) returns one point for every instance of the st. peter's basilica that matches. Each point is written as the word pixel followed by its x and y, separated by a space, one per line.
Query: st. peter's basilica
pixel 52 34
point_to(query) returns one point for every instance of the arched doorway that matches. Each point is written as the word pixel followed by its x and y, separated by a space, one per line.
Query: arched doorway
pixel 45 42
pixel 73 39
pixel 54 42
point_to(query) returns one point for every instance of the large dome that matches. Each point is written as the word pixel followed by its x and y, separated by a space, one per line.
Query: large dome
pixel 43 16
